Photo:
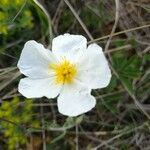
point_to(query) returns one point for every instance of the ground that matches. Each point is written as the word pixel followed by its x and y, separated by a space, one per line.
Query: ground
pixel 120 120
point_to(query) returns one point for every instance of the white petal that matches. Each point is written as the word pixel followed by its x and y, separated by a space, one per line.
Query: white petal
pixel 76 87
pixel 35 88
pixel 75 99
pixel 74 104
pixel 68 45
pixel 34 60
pixel 93 68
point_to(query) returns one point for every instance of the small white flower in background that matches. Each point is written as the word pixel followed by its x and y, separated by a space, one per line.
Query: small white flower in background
pixel 69 71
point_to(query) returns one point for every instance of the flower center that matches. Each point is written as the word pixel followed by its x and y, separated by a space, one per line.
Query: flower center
pixel 65 72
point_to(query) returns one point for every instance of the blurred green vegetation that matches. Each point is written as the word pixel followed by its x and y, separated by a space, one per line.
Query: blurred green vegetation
pixel 9 22
pixel 19 113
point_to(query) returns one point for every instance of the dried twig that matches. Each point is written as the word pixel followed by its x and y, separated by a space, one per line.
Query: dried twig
pixel 48 19
pixel 118 136
pixel 43 129
pixel 119 33
pixel 77 137
pixel 23 5
pixel 79 19
pixel 114 26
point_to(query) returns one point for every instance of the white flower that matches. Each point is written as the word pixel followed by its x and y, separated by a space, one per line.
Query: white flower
pixel 69 71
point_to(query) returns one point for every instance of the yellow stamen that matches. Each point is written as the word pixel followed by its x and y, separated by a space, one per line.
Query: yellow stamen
pixel 65 72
